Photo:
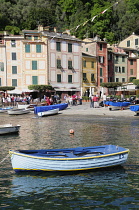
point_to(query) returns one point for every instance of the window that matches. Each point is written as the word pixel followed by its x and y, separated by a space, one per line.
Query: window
pixel 92 78
pixel 136 41
pixel 38 48
pixel 58 46
pixel 128 43
pixel 13 56
pixel 34 80
pixel 84 63
pixel 123 79
pixel 84 77
pixel 117 79
pixel 123 69
pixel 123 59
pixel 92 64
pixel 117 69
pixel 13 43
pixel 100 46
pixel 69 78
pixel 131 62
pixel 1 66
pixel 117 58
pixel 101 59
pixel 101 80
pixel 14 69
pixel 0 81
pixel 58 77
pixel 34 65
pixel 86 49
pixel 35 37
pixel 14 82
pixel 101 72
pixel 131 71
pixel 29 37
pixel 69 64
pixel 58 64
pixel 69 47
pixel 27 48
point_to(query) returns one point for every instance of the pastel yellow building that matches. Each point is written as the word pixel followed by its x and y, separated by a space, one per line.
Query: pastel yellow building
pixel 89 69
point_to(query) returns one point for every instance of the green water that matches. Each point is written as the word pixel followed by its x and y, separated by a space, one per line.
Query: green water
pixel 113 188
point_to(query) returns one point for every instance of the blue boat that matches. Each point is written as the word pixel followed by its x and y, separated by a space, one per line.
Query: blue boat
pixel 5 109
pixel 135 108
pixel 61 106
pixel 117 105
pixel 70 159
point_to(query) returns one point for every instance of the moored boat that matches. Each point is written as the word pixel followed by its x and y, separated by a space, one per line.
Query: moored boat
pixel 49 112
pixel 9 128
pixel 72 159
pixel 61 106
pixel 2 110
pixel 135 108
pixel 117 105
pixel 18 111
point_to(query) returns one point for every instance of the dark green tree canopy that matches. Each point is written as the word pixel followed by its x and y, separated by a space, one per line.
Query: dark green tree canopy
pixel 136 82
pixel 40 88
pixel 5 88
pixel 111 84
pixel 118 21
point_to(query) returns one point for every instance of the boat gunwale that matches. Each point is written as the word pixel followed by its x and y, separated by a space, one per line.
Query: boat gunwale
pixel 68 158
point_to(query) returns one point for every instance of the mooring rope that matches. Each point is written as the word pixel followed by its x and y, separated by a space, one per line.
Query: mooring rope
pixel 4 158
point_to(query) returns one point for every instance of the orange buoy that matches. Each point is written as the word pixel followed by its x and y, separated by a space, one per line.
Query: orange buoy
pixel 71 131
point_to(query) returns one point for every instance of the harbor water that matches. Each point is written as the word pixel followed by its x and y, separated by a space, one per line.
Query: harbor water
pixel 109 188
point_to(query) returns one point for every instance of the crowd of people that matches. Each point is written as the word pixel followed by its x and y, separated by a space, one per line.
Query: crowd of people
pixel 13 100
pixel 73 99
pixel 95 99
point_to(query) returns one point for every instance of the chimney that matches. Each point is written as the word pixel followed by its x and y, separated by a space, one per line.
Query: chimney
pixel 40 28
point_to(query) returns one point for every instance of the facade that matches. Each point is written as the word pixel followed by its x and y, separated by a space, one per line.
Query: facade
pixel 2 61
pixel 89 71
pixel 98 48
pixel 64 62
pixel 35 54
pixel 41 57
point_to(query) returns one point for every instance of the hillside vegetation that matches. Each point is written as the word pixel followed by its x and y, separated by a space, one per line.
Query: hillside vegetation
pixel 116 23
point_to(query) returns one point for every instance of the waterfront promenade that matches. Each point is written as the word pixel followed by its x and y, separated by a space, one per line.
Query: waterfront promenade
pixel 85 109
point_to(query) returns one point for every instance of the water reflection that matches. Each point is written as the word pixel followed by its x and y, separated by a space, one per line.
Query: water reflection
pixel 99 189
pixel 24 184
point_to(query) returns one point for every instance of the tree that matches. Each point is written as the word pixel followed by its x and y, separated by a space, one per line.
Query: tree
pixel 113 85
pixel 5 88
pixel 41 88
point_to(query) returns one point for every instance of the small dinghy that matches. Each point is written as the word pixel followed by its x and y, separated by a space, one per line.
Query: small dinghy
pixel 48 113
pixel 72 159
pixel 9 128
pixel 18 111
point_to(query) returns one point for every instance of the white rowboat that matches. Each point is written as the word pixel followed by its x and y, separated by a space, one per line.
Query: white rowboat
pixel 70 159
pixel 9 128
pixel 47 113
pixel 18 111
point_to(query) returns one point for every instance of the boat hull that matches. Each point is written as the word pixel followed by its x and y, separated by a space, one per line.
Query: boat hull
pixel 48 113
pixel 9 129
pixel 22 162
pixel 18 111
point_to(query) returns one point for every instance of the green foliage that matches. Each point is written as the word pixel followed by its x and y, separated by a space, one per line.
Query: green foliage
pixel 12 29
pixel 115 24
pixel 136 82
pixel 111 84
pixel 40 88
pixel 5 88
